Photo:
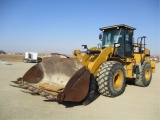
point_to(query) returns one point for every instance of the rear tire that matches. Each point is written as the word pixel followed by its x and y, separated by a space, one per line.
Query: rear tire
pixel 111 79
pixel 145 76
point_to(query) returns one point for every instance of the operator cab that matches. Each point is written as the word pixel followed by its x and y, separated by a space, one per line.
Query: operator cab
pixel 120 37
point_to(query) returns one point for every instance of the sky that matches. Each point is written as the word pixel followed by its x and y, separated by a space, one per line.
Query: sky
pixel 64 25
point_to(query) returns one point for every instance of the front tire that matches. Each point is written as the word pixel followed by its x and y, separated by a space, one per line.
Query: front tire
pixel 111 79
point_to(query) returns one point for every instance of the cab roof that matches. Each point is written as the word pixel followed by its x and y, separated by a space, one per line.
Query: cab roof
pixel 118 26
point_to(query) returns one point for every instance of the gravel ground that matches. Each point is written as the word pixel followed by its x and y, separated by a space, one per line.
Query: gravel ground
pixel 136 103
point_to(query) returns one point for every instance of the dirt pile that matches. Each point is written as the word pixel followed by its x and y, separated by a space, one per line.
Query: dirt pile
pixel 11 58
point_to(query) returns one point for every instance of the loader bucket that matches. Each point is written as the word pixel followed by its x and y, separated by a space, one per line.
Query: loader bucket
pixel 58 78
pixel 52 70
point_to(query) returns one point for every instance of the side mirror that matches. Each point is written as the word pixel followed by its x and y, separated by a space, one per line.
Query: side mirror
pixel 84 47
pixel 100 36
pixel 116 45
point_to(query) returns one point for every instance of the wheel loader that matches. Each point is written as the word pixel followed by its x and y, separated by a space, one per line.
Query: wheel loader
pixel 105 68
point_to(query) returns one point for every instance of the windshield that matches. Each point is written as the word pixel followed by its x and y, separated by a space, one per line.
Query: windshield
pixel 110 37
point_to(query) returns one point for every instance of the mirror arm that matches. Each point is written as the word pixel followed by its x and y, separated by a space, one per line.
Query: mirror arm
pixel 116 45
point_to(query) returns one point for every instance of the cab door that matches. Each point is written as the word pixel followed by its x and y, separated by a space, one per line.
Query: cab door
pixel 128 43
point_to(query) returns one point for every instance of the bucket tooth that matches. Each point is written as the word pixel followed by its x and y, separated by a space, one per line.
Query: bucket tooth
pixel 31 88
pixel 36 91
pixel 19 82
pixel 19 79
pixel 51 97
pixel 24 86
pixel 16 86
pixel 16 82
pixel 44 94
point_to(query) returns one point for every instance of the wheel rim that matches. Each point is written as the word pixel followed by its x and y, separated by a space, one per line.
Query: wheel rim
pixel 147 74
pixel 118 80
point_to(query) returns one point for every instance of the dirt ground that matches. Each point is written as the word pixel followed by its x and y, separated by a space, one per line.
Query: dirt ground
pixel 136 103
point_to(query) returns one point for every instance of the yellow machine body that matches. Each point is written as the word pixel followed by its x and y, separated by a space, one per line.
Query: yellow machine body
pixel 94 62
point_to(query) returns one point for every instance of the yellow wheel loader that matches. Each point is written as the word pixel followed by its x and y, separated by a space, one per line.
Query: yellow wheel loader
pixel 61 78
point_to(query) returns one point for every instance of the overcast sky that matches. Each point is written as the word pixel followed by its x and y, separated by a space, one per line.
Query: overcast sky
pixel 64 25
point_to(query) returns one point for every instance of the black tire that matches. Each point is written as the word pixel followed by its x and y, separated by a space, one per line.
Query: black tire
pixel 111 79
pixel 144 77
